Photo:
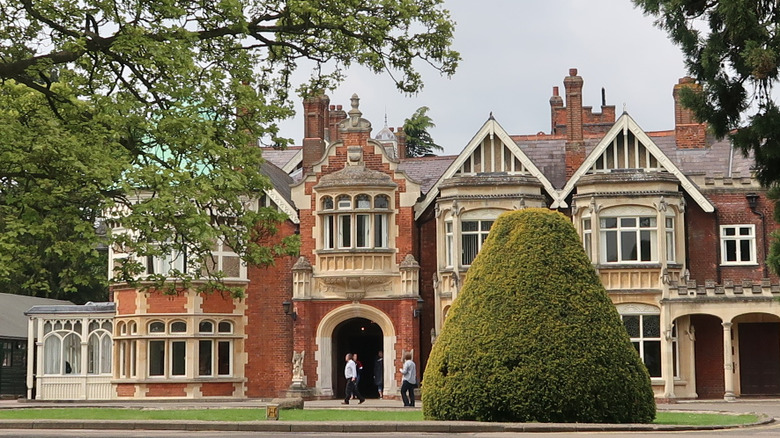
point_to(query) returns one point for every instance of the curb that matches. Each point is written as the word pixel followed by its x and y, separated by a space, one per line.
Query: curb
pixel 360 426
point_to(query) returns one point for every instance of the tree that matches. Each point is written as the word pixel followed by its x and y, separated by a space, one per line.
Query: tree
pixel 418 141
pixel 533 336
pixel 147 114
pixel 732 48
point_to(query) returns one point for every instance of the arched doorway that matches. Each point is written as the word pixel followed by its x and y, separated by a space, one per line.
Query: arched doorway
pixel 359 336
pixel 709 356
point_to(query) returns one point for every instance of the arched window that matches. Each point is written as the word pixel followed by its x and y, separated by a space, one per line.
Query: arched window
pixel 206 327
pixel 225 327
pixel 71 353
pixel 156 327
pixel 52 353
pixel 327 203
pixel 99 353
pixel 178 327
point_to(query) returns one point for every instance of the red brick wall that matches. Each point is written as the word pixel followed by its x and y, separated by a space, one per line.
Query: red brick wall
pixel 166 390
pixel 125 299
pixel 709 356
pixel 703 236
pixel 269 330
pixel 217 302
pixel 125 390
pixel 161 303
pixel 428 267
pixel 216 389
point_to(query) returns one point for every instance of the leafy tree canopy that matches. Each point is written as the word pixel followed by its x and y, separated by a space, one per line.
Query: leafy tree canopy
pixel 418 140
pixel 151 110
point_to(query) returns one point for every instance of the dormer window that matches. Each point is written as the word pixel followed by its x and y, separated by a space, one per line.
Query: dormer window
pixel 355 224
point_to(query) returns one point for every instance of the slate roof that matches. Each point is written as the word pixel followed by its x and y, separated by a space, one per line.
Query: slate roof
pixel 279 179
pixel 13 322
pixel 426 170
pixel 280 157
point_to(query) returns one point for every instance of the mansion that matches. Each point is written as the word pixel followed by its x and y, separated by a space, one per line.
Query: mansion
pixel 674 223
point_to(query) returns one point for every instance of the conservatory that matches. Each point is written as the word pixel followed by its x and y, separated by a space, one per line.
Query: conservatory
pixel 69 352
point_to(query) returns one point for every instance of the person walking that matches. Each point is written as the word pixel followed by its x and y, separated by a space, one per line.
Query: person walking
pixel 350 372
pixel 379 373
pixel 359 367
pixel 409 372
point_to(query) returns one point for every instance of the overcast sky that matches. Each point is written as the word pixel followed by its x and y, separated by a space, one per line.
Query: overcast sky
pixel 514 52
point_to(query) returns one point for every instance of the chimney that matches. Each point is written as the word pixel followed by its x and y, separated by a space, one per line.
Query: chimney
pixel 401 136
pixel 336 115
pixel 575 147
pixel 315 113
pixel 557 111
pixel 688 132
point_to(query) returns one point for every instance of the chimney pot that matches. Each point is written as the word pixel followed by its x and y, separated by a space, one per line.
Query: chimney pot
pixel 572 72
pixel 338 107
pixel 555 91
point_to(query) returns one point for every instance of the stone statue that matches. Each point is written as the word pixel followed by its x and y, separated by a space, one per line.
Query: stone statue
pixel 297 362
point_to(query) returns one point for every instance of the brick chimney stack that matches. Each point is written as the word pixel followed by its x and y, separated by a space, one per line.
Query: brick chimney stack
pixel 688 132
pixel 575 147
pixel 315 112
pixel 335 116
pixel 401 136
pixel 557 111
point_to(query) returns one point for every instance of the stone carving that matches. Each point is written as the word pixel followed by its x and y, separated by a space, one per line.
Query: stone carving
pixel 298 377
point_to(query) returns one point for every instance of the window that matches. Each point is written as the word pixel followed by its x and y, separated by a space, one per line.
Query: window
pixel 670 249
pixel 587 238
pixel 360 224
pixel 473 234
pixel 167 357
pixel 64 350
pixel 629 239
pixel 6 350
pixel 738 244
pixel 215 355
pixel 645 333
pixel 450 242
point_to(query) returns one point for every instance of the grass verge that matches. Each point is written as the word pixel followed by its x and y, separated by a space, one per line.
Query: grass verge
pixel 674 418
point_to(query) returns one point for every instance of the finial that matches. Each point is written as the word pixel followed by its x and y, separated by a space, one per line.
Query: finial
pixel 354 113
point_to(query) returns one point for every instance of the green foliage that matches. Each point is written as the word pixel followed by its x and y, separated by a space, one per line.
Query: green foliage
pixel 731 47
pixel 151 111
pixel 533 336
pixel 418 141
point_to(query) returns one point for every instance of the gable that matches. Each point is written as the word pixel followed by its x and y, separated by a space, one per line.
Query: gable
pixel 627 147
pixel 491 150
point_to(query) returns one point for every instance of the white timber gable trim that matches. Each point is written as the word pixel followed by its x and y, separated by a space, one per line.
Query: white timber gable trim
pixel 491 129
pixel 624 124
pixel 294 162
pixel 284 206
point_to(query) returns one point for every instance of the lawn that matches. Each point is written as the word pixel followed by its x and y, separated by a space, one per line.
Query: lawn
pixel 676 418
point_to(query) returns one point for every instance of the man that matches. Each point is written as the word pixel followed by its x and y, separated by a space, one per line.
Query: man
pixel 350 372
pixel 409 372
pixel 359 366
pixel 379 373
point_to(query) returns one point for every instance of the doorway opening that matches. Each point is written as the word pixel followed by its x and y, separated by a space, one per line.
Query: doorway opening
pixel 359 336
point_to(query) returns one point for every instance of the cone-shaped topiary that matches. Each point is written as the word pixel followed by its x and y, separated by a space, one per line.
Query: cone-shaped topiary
pixel 533 336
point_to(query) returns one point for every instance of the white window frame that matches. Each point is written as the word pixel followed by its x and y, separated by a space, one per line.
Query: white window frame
pixel 356 223
pixel 737 238
pixel 623 229
pixel 641 340
pixel 480 233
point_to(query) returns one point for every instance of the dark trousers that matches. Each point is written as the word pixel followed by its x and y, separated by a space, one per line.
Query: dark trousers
pixel 407 387
pixel 352 389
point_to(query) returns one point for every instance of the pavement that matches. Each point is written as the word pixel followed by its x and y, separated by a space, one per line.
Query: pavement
pixel 767 409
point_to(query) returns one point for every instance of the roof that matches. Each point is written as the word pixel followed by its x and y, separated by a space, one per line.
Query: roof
pixel 72 309
pixel 426 170
pixel 280 157
pixel 13 322
pixel 280 192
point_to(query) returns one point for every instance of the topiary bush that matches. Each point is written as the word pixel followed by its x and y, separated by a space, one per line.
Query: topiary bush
pixel 533 336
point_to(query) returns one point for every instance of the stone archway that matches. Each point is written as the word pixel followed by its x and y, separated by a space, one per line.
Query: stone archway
pixel 324 355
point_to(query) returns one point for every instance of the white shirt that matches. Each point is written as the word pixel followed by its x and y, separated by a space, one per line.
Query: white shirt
pixel 350 370
pixel 409 372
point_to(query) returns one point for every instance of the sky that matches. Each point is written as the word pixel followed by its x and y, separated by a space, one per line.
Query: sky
pixel 513 53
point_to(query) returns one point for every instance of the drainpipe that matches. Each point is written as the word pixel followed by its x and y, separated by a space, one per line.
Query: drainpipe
pixel 752 199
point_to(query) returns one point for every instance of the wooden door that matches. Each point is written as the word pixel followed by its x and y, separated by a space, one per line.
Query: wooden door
pixel 759 358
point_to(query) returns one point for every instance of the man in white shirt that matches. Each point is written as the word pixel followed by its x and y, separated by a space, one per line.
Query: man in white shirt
pixel 409 372
pixel 350 372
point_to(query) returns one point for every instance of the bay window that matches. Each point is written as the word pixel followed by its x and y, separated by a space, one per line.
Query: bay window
pixel 362 222
pixel 473 234
pixel 629 239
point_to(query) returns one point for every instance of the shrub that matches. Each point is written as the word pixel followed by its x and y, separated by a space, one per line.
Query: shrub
pixel 533 336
